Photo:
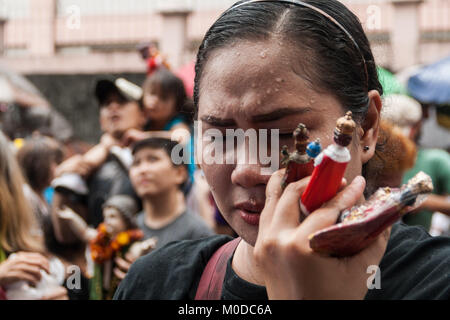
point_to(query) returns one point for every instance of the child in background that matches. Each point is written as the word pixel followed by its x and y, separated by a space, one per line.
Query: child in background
pixel 167 109
pixel 117 236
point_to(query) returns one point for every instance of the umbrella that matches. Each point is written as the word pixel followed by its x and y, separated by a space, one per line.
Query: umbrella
pixel 431 84
pixel 390 83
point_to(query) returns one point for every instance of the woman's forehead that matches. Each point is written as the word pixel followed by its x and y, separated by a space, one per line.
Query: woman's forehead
pixel 254 78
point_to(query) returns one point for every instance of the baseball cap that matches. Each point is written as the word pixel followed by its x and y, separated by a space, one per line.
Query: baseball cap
pixel 126 89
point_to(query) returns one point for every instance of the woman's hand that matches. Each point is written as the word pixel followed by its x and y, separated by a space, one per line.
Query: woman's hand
pixel 291 269
pixel 24 266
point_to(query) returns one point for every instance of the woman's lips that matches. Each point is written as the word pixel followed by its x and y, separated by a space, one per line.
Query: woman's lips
pixel 250 212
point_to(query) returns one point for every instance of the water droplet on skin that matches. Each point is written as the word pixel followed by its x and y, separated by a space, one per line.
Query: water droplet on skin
pixel 276 89
pixel 279 80
pixel 269 91
pixel 263 54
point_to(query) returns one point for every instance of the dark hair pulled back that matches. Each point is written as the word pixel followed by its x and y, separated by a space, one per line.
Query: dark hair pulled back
pixel 335 63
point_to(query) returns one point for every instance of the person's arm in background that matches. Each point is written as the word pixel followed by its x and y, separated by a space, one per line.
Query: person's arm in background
pixel 439 202
pixel 77 224
pixel 62 227
pixel 85 164
pixel 179 132
pixel 436 203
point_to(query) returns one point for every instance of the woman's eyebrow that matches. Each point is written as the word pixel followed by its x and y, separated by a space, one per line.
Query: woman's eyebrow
pixel 218 122
pixel 280 113
pixel 267 117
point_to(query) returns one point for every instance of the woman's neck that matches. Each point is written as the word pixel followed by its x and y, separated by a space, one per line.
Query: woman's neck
pixel 160 210
pixel 245 265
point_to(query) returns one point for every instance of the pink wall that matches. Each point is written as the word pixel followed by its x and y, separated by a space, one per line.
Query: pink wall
pixel 24 34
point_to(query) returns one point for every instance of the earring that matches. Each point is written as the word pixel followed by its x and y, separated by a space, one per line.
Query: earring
pixel 366 148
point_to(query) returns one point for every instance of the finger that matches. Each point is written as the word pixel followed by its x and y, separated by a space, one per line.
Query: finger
pixel 33 271
pixel 287 213
pixel 122 264
pixel 18 275
pixel 35 259
pixel 273 194
pixel 328 214
pixel 119 274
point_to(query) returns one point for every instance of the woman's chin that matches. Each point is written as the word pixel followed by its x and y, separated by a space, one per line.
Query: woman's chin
pixel 247 232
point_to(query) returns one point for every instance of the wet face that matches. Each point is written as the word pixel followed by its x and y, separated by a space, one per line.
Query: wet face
pixel 153 173
pixel 260 85
pixel 113 221
pixel 118 115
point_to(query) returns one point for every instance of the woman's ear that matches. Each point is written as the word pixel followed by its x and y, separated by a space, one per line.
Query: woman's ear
pixel 368 133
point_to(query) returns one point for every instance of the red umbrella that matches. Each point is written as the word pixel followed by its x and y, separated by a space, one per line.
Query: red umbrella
pixel 187 74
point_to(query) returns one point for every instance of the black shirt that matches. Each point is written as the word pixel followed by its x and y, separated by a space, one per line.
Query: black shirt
pixel 109 180
pixel 415 266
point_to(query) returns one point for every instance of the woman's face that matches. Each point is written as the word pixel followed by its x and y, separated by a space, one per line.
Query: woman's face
pixel 260 85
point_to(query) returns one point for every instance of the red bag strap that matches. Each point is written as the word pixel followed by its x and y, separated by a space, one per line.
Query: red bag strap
pixel 211 282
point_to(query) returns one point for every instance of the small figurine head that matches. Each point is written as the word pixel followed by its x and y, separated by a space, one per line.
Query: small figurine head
pixel 118 214
pixel 346 125
pixel 314 148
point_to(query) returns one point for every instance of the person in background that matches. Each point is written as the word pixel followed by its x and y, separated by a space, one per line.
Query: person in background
pixel 395 155
pixel 159 184
pixel 38 158
pixel 23 257
pixel 104 167
pixel 406 113
pixel 167 109
pixel 117 236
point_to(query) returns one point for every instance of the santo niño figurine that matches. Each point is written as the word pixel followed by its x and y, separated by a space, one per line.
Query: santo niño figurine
pixel 117 236
pixel 356 227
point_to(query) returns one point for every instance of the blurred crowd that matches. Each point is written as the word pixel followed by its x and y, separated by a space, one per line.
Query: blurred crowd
pixel 72 223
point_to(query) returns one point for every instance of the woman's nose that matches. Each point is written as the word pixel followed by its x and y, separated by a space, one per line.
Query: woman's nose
pixel 249 175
